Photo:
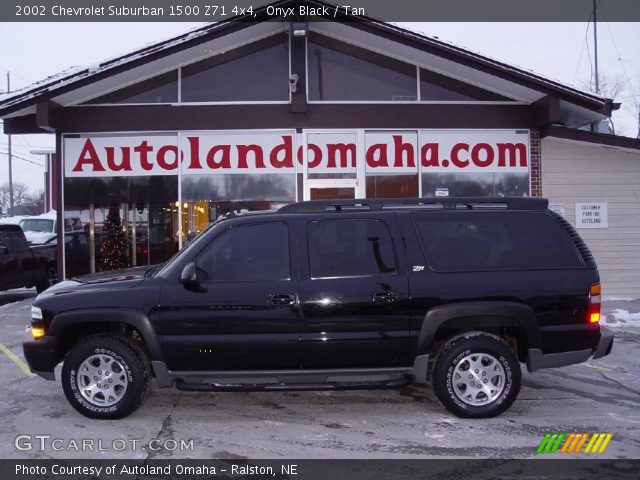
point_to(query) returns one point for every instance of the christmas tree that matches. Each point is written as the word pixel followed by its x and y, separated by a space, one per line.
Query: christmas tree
pixel 113 247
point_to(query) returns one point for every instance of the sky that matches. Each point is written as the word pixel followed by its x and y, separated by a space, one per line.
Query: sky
pixel 560 51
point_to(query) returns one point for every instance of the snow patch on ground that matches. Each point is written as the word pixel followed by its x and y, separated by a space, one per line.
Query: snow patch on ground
pixel 620 315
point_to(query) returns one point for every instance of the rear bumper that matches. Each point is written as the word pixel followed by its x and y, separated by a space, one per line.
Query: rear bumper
pixel 537 360
pixel 42 356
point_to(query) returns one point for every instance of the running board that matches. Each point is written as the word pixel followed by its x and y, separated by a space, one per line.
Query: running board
pixel 295 379
pixel 271 387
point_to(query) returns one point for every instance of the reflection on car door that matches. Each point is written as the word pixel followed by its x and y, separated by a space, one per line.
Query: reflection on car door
pixel 248 316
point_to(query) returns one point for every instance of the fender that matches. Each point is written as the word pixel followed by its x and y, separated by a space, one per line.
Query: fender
pixel 521 314
pixel 135 318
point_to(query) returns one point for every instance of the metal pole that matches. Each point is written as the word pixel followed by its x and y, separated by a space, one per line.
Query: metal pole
pixel 595 46
pixel 10 157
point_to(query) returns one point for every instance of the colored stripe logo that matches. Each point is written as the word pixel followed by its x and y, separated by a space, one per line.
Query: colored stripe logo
pixel 574 442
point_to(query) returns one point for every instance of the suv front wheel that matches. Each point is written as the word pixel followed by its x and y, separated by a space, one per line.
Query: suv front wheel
pixel 105 376
pixel 476 375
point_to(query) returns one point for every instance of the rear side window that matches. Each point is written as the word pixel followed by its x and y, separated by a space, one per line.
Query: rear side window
pixel 465 241
pixel 350 248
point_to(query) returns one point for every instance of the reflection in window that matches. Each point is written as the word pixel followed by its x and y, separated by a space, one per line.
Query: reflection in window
pixel 436 87
pixel 207 197
pixel 476 184
pixel 249 253
pixel 160 89
pixel 147 208
pixel 257 72
pixel 511 184
pixel 392 186
pixel 339 248
pixel 342 72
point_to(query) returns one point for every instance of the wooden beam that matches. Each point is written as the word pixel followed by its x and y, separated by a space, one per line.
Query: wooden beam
pixel 45 116
pixel 545 111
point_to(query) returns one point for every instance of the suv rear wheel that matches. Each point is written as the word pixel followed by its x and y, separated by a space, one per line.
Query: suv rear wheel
pixel 105 377
pixel 476 375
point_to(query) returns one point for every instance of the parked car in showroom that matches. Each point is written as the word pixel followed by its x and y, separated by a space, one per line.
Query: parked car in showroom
pixel 337 294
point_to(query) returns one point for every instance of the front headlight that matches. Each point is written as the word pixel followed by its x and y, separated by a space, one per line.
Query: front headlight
pixel 37 328
pixel 36 313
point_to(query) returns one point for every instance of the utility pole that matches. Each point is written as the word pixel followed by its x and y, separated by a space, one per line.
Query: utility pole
pixel 595 46
pixel 10 157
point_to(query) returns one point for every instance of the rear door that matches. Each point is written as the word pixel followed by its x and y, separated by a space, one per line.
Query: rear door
pixel 353 293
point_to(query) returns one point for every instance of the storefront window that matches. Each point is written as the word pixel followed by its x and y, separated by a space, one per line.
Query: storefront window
pixel 511 184
pixel 391 164
pixel 436 87
pixel 160 89
pixel 207 197
pixel 143 209
pixel 130 201
pixel 475 184
pixel 258 72
pixel 392 186
pixel 342 72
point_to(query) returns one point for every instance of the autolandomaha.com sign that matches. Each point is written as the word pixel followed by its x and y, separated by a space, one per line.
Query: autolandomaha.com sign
pixel 287 152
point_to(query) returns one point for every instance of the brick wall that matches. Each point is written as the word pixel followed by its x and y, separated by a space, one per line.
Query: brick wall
pixel 535 164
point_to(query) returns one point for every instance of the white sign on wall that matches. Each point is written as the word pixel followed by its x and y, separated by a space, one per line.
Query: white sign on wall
pixel 591 215
pixel 340 151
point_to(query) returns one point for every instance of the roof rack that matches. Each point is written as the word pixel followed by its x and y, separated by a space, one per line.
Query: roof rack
pixel 433 203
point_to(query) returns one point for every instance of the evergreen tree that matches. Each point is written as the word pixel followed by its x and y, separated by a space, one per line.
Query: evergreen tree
pixel 113 247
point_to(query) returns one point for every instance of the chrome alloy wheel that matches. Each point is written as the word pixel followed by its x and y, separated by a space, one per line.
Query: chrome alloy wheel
pixel 102 380
pixel 478 379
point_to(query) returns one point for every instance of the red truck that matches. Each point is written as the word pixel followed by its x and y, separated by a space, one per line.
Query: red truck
pixel 22 265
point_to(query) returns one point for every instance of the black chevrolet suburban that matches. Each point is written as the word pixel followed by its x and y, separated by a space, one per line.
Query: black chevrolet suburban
pixel 344 294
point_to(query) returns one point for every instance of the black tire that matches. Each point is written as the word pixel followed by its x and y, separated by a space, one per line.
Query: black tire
pixel 50 278
pixel 129 362
pixel 451 385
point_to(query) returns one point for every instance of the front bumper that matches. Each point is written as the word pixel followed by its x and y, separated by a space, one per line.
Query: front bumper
pixel 42 356
pixel 537 360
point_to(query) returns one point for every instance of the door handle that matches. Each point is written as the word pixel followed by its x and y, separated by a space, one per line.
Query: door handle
pixel 385 297
pixel 282 299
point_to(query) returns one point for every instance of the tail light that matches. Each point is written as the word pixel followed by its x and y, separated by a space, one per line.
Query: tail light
pixel 594 303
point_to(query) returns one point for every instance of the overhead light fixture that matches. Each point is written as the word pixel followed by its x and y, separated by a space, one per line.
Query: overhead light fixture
pixel 299 29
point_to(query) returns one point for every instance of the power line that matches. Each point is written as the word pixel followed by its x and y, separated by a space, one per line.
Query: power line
pixel 615 46
pixel 52 147
pixel 13 155
pixel 15 74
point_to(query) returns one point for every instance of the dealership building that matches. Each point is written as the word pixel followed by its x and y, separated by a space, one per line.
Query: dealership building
pixel 242 116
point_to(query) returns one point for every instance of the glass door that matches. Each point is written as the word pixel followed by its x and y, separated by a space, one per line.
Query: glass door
pixel 332 168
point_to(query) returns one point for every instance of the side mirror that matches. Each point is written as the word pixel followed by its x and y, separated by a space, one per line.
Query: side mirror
pixel 4 249
pixel 189 278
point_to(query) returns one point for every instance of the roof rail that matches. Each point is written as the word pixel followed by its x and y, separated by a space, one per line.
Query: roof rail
pixel 431 203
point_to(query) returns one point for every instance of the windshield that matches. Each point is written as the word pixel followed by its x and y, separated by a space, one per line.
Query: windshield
pixel 36 225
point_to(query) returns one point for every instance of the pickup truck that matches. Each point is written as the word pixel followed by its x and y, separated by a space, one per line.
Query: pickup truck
pixel 22 265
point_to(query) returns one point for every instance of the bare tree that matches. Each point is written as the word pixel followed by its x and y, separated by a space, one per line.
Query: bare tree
pixel 609 86
pixel 36 199
pixel 633 105
pixel 20 194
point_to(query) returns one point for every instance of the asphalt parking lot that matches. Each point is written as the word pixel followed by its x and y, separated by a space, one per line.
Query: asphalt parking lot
pixel 600 396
